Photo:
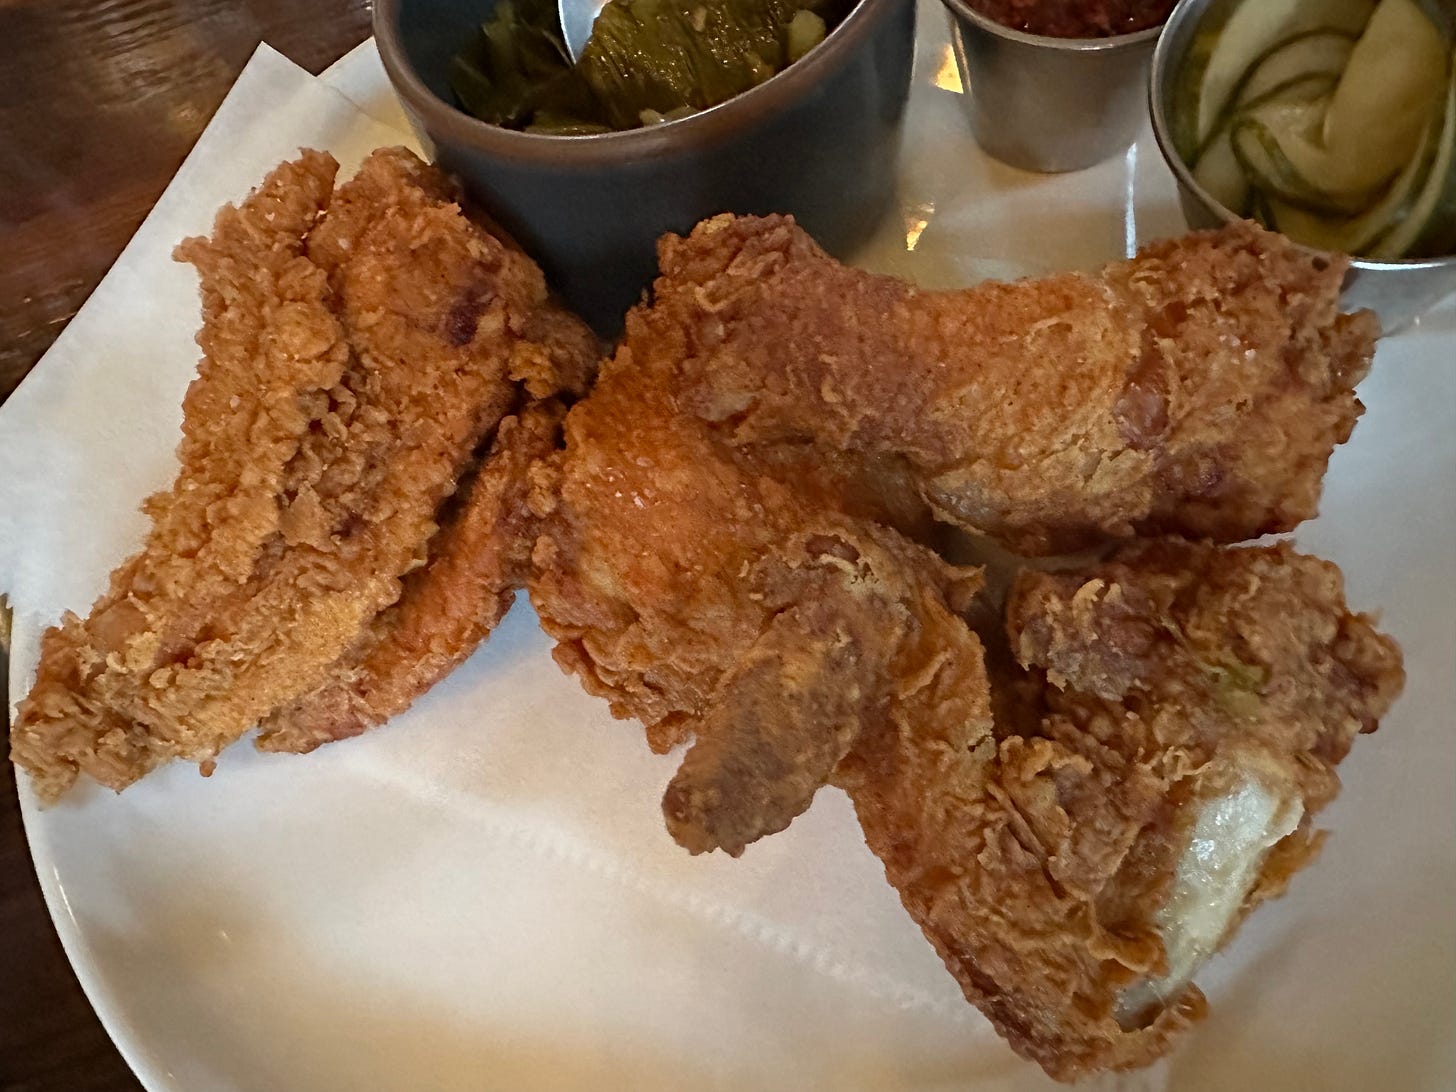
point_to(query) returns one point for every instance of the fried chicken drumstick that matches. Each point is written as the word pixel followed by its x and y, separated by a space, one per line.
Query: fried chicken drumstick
pixel 360 346
pixel 735 556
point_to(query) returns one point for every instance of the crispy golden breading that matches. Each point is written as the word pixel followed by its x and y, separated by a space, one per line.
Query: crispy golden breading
pixel 477 560
pixel 861 629
pixel 358 347
pixel 1174 684
pixel 1197 389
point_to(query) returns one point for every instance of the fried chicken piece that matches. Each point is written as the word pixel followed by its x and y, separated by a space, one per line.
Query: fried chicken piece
pixel 243 419
pixel 1247 680
pixel 355 359
pixel 1193 704
pixel 1198 388
pixel 869 631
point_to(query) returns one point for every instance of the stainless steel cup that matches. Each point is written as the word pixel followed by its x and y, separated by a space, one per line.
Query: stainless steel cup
pixel 1397 291
pixel 1050 104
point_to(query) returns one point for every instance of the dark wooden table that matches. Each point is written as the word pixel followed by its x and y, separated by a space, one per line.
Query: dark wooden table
pixel 100 100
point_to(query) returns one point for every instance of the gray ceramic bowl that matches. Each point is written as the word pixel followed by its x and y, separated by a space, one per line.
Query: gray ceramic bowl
pixel 819 140
pixel 1049 104
pixel 1396 291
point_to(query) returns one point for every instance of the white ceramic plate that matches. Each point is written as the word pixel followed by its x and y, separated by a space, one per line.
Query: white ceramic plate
pixel 481 894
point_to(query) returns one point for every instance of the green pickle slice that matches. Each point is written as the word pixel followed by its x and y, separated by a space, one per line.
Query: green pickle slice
pixel 663 55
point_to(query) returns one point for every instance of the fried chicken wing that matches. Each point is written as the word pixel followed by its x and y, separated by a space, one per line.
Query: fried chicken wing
pixel 359 346
pixel 683 584
pixel 1191 704
pixel 868 631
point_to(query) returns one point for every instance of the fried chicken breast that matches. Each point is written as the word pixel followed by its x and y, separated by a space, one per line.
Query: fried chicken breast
pixel 359 347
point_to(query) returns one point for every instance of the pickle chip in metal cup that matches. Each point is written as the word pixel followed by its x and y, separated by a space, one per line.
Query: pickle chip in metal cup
pixel 1050 104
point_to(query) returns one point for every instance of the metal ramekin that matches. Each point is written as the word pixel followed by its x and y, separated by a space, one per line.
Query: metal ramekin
pixel 1049 104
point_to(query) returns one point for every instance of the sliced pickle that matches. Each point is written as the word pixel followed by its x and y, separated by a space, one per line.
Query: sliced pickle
pixel 1390 90
pixel 1218 170
pixel 1315 54
pixel 1333 121
pixel 1253 25
pixel 1253 28
pixel 1221 174
pixel 1354 234
pixel 663 55
pixel 1270 171
pixel 1259 140
pixel 1307 88
pixel 1383 102
pixel 1429 230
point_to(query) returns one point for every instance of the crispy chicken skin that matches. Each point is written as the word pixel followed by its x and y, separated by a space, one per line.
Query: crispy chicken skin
pixel 358 347
pixel 1183 713
pixel 1197 389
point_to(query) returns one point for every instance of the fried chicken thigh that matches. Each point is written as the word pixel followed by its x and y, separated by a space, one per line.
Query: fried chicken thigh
pixel 736 553
pixel 359 347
